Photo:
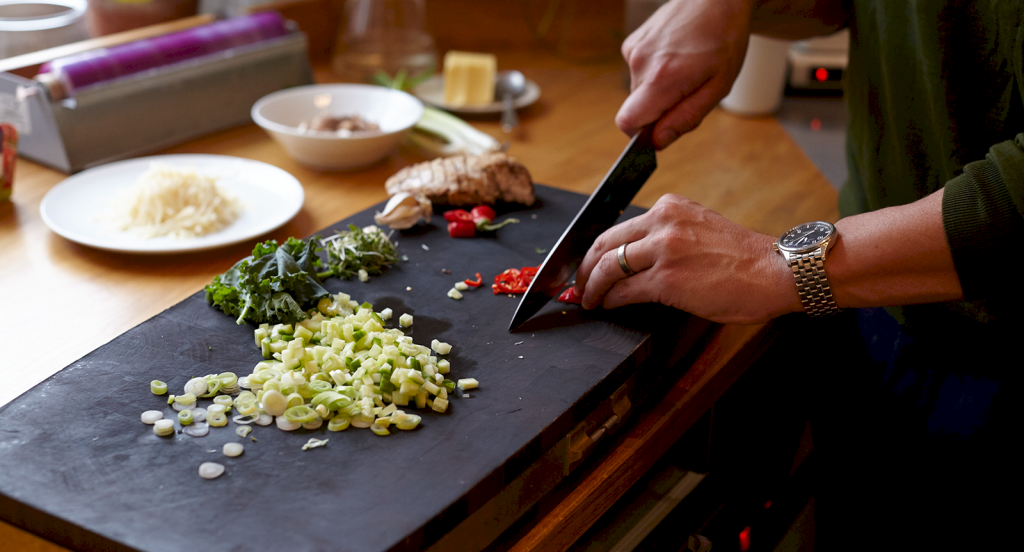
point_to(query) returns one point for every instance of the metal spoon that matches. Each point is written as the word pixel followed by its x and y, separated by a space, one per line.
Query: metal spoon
pixel 509 85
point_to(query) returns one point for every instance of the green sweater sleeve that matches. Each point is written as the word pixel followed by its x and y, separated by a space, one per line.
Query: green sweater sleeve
pixel 983 216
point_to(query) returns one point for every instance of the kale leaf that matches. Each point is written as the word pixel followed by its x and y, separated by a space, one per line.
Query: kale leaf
pixel 276 284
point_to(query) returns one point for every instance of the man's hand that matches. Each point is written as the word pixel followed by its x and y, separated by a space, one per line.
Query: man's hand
pixel 682 62
pixel 693 259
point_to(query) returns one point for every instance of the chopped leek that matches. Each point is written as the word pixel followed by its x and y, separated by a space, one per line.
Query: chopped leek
pixel 442 133
pixel 163 428
pixel 233 449
pixel 210 470
pixel 151 416
pixel 314 443
pixel 157 387
pixel 216 418
pixel 185 417
pixel 196 386
pixel 338 423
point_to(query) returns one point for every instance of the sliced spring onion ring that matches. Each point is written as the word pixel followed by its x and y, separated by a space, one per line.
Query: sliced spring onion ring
pixel 197 429
pixel 157 387
pixel 233 449
pixel 284 424
pixel 265 419
pixel 151 416
pixel 198 414
pixel 410 422
pixel 379 430
pixel 213 386
pixel 247 406
pixel 274 402
pixel 210 470
pixel 216 419
pixel 294 399
pixel 315 424
pixel 225 400
pixel 185 417
pixel 301 414
pixel 246 420
pixel 338 423
pixel 243 431
pixel 178 407
pixel 196 386
pixel 163 428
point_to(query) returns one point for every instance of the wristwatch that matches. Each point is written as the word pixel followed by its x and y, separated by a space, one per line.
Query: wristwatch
pixel 805 248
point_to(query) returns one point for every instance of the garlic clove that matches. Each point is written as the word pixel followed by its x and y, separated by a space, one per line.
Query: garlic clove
pixel 404 210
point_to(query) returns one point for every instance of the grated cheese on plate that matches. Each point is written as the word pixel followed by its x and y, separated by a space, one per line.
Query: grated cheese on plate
pixel 177 202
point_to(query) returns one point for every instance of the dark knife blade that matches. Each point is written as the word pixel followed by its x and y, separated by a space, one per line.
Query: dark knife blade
pixel 599 213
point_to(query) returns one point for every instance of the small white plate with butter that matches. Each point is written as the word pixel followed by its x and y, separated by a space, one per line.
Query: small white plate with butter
pixel 431 91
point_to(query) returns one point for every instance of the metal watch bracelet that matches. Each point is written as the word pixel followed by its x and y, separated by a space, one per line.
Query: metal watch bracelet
pixel 812 283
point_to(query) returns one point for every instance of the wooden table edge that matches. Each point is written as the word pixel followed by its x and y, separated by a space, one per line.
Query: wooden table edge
pixel 727 355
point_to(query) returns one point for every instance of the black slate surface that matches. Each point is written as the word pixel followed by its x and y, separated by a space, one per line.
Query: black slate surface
pixel 78 467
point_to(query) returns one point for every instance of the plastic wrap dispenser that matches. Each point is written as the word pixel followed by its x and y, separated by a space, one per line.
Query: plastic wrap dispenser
pixel 157 102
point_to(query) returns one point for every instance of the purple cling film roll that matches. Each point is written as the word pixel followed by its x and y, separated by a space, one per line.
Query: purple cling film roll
pixel 79 71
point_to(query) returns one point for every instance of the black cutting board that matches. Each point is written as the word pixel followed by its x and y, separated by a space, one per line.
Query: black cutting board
pixel 78 467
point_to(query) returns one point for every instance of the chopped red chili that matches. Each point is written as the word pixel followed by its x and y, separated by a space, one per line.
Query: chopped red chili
pixel 458 215
pixel 461 229
pixel 514 280
pixel 570 296
pixel 483 213
pixel 475 283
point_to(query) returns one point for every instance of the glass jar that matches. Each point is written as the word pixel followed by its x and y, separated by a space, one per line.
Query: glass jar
pixel 384 36
pixel 33 25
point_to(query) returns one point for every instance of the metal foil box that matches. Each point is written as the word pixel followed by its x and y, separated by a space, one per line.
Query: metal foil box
pixel 152 110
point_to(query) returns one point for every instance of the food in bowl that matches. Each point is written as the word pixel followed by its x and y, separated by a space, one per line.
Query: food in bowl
pixel 282 113
pixel 342 126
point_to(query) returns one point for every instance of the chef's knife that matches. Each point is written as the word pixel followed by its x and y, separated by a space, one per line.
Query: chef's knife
pixel 603 207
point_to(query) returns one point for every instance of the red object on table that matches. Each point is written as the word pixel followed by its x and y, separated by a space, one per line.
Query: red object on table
pixel 514 280
pixel 570 296
pixel 8 152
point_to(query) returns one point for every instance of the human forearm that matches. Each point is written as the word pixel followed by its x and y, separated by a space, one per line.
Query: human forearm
pixel 894 256
pixel 798 19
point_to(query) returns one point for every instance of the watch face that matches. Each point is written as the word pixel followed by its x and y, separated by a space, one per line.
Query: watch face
pixel 807 236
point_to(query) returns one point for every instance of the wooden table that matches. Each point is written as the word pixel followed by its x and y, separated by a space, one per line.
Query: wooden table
pixel 61 300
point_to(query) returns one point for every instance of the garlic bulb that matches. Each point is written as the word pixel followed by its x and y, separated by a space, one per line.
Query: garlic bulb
pixel 404 210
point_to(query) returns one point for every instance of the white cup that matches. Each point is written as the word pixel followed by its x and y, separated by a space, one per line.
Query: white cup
pixel 759 86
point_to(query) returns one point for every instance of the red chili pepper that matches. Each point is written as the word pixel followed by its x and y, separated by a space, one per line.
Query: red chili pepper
pixel 458 215
pixel 481 217
pixel 514 280
pixel 461 229
pixel 475 283
pixel 570 296
pixel 484 213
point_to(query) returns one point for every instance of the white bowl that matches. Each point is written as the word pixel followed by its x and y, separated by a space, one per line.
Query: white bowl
pixel 281 113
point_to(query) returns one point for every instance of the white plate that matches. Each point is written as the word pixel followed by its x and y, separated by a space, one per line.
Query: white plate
pixel 431 91
pixel 74 208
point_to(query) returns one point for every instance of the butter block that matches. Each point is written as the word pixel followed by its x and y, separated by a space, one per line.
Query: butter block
pixel 469 78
